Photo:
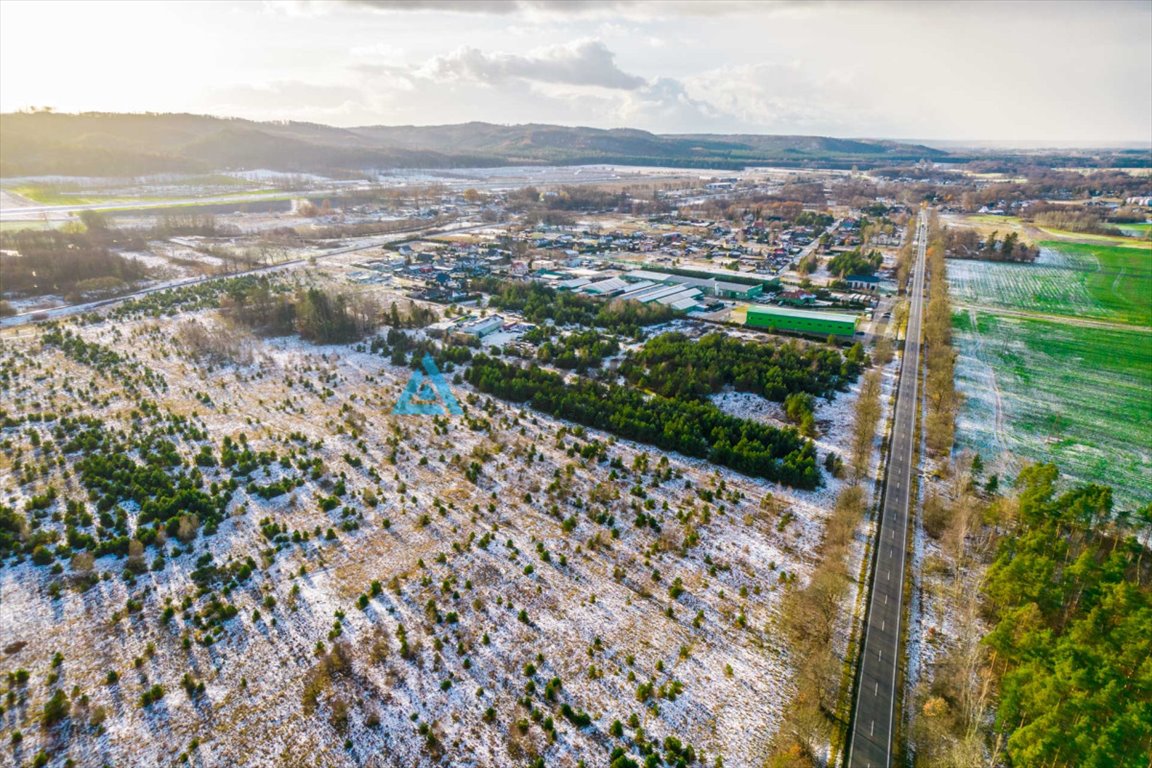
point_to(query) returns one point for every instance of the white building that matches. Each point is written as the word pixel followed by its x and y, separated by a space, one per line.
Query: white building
pixel 482 326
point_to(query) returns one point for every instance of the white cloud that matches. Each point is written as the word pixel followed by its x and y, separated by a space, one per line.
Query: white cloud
pixel 964 70
pixel 298 8
pixel 665 106
pixel 385 53
pixel 630 9
pixel 501 7
pixel 583 62
pixel 782 97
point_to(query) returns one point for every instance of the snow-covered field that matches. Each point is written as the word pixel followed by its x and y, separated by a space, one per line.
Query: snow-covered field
pixel 485 577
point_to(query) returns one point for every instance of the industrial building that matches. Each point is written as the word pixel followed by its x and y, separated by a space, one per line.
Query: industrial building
pixel 481 326
pixel 802 321
pixel 609 287
pixel 684 298
pixel 711 286
pixel 862 282
pixel 573 283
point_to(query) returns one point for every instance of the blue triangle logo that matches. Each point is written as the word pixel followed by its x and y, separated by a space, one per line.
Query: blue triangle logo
pixel 428 395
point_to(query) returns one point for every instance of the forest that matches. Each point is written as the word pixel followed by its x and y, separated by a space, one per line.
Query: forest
pixel 673 365
pixel 1052 183
pixel 539 303
pixel 587 198
pixel 579 350
pixel 691 428
pixel 966 244
pixel 814 219
pixel 855 262
pixel 406 349
pixel 320 316
pixel 68 263
pixel 82 259
pixel 1071 218
pixel 1070 601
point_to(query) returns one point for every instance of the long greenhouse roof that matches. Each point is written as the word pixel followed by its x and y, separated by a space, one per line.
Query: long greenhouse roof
pixel 804 314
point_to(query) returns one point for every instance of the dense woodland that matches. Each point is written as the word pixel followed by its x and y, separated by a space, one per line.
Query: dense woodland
pixel 579 350
pixel 694 429
pixel 587 198
pixel 855 262
pixel 84 259
pixel 673 365
pixel 1069 595
pixel 106 144
pixel 320 316
pixel 70 263
pixel 1072 218
pixel 1049 184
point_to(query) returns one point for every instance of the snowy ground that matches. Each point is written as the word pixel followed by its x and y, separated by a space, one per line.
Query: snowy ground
pixel 183 255
pixel 160 265
pixel 732 561
pixel 36 302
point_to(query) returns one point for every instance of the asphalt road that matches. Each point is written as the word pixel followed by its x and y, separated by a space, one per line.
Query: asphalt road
pixel 873 720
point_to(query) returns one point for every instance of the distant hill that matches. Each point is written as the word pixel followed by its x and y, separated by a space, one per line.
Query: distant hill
pixel 107 144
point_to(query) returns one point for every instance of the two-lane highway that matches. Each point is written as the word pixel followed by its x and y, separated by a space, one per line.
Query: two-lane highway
pixel 873 721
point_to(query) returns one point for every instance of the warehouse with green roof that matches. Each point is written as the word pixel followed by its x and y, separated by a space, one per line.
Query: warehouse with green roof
pixel 802 321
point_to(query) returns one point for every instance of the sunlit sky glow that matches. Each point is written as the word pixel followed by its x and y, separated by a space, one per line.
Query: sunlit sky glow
pixel 1054 72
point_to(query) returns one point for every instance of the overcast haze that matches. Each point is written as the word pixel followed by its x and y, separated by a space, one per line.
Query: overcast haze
pixel 1059 73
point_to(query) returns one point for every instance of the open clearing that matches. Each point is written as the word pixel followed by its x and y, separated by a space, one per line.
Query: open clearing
pixel 649 584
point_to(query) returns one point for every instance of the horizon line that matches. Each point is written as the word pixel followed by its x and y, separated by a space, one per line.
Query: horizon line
pixel 955 143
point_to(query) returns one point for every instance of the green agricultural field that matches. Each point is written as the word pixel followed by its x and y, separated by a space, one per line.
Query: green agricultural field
pixel 1101 282
pixel 1050 391
pixel 1118 277
pixel 1055 362
pixel 48 195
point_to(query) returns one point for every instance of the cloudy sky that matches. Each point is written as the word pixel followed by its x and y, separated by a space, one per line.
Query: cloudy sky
pixel 1049 72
